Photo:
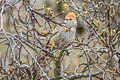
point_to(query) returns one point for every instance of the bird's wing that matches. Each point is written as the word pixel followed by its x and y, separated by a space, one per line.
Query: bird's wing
pixel 55 32
pixel 57 28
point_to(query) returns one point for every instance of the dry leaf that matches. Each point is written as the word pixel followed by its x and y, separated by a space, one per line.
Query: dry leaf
pixel 44 32
pixel 66 6
pixel 84 6
pixel 96 6
pixel 51 44
pixel 67 29
pixel 49 11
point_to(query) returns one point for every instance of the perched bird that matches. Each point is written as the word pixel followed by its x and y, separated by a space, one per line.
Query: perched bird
pixel 65 33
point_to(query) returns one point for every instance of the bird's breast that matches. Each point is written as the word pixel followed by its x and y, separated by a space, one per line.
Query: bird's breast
pixel 69 36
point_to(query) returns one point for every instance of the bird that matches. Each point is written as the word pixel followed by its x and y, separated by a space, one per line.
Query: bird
pixel 64 34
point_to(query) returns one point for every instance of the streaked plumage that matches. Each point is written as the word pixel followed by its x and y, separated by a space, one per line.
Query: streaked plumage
pixel 64 35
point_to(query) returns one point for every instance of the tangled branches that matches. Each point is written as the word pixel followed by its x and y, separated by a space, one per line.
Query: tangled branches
pixel 25 29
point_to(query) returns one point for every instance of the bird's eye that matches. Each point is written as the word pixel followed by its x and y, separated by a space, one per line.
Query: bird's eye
pixel 70 19
pixel 67 19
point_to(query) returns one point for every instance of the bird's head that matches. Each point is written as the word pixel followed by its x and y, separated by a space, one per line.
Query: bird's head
pixel 70 19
